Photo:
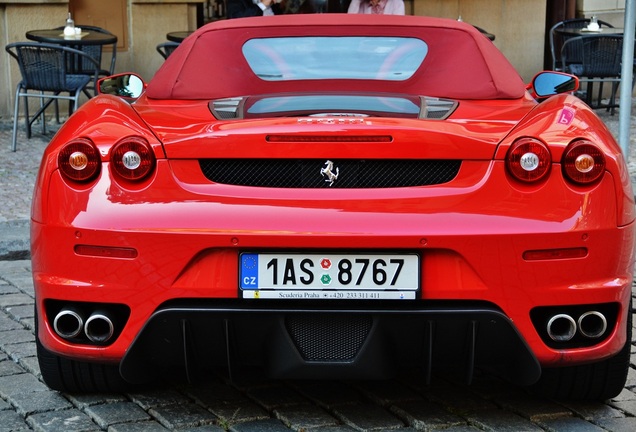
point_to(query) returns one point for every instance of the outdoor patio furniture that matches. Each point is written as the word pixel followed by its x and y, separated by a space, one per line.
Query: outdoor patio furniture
pixel 45 75
pixel 600 63
pixel 558 35
pixel 166 48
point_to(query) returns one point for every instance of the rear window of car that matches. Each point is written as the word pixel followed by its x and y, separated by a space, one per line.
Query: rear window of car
pixel 352 57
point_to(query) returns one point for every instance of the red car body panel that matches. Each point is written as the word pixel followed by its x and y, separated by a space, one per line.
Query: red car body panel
pixel 471 232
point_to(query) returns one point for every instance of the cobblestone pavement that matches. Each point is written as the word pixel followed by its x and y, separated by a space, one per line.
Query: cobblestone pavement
pixel 267 406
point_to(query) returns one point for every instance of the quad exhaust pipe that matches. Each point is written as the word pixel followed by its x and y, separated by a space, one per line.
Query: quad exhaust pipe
pixel 99 328
pixel 69 324
pixel 562 327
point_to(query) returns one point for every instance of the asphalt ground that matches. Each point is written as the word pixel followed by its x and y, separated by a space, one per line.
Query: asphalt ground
pixel 403 404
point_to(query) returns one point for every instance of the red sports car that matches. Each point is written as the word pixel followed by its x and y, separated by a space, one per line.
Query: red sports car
pixel 329 196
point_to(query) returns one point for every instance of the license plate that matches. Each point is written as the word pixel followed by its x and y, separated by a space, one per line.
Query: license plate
pixel 329 276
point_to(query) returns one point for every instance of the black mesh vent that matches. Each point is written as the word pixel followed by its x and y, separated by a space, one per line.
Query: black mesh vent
pixel 291 173
pixel 328 337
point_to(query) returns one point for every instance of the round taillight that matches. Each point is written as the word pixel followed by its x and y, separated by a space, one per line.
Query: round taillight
pixel 583 162
pixel 528 160
pixel 79 160
pixel 132 158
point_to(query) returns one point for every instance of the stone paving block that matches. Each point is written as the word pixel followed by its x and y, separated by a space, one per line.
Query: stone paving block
pixel 501 421
pixel 11 421
pixel 119 412
pixel 593 410
pixel 15 336
pixel 466 428
pixel 147 426
pixel 618 424
pixel 339 428
pixel 7 323
pixel 71 420
pixel 9 367
pixel 329 394
pixel 83 401
pixel 28 403
pixel 385 392
pixel 183 416
pixel 6 288
pixel 452 397
pixel 214 393
pixel 7 301
pixel 158 398
pixel 426 415
pixel 367 417
pixel 31 365
pixel 275 396
pixel 569 424
pixel 628 407
pixel 21 350
pixel 4 405
pixel 534 408
pixel 303 417
pixel 271 425
pixel 21 383
pixel 237 411
pixel 21 313
pixel 625 395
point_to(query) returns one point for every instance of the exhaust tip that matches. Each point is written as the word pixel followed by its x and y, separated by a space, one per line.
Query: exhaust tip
pixel 68 324
pixel 561 328
pixel 592 324
pixel 99 328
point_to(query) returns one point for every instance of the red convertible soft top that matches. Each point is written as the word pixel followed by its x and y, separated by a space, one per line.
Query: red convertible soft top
pixel 461 63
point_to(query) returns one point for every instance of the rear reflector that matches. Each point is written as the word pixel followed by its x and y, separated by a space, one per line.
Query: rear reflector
pixel 555 254
pixel 105 251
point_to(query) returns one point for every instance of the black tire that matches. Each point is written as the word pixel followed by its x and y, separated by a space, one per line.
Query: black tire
pixel 593 382
pixel 72 376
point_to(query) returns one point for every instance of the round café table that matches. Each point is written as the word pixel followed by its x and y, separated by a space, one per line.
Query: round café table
pixel 573 32
pixel 178 36
pixel 56 36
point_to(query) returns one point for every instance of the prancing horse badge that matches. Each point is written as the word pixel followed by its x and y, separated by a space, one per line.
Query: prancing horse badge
pixel 328 172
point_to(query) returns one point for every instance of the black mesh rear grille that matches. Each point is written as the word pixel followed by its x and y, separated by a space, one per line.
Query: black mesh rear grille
pixel 309 173
pixel 329 337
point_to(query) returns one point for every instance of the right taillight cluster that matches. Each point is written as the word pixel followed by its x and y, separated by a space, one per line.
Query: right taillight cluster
pixel 583 162
pixel 529 161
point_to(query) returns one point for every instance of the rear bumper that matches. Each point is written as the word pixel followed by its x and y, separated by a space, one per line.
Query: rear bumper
pixel 326 341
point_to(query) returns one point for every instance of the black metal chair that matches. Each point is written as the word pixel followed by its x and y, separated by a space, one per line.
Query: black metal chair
pixel 167 48
pixel 557 40
pixel 601 57
pixel 44 70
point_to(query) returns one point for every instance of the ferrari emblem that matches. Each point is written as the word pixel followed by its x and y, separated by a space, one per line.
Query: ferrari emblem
pixel 328 172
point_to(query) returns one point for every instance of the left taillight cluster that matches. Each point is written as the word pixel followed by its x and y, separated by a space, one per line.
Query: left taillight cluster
pixel 132 159
pixel 529 161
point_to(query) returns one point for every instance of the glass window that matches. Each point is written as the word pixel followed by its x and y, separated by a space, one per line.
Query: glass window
pixel 378 105
pixel 353 57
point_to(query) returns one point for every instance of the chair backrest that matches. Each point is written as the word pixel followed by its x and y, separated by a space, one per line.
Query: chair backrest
pixel 95 51
pixel 557 40
pixel 602 56
pixel 44 66
pixel 167 48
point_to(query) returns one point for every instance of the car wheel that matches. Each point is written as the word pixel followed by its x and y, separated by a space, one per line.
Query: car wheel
pixel 72 376
pixel 596 381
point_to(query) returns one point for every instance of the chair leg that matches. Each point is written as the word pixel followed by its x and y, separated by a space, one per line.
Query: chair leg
pixel 26 116
pixel 43 118
pixel 14 142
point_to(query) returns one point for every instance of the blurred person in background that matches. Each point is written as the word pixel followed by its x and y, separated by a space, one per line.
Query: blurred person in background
pixel 380 7
pixel 248 8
